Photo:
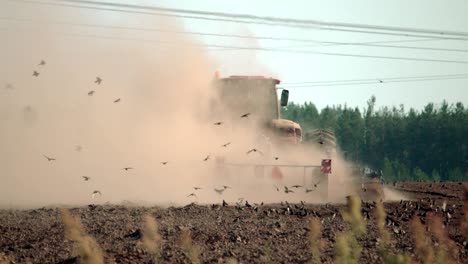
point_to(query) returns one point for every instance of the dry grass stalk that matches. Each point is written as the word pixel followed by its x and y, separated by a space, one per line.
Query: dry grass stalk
pixel 85 246
pixel 464 224
pixel 151 239
pixel 190 249
pixel 422 242
pixel 447 248
pixel 353 215
pixel 348 249
pixel 384 253
pixel 4 259
pixel 315 236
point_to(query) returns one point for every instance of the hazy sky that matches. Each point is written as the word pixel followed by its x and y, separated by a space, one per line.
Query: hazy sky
pixel 295 67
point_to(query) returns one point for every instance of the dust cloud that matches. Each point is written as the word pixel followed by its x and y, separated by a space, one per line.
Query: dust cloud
pixel 163 115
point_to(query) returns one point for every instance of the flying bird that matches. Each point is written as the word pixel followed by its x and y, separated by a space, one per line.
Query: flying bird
pixel 86 178
pixel 117 100
pixel 48 158
pixel 42 63
pixel 78 148
pixel 219 191
pixel 197 188
pixel 226 187
pixel 296 186
pixel 98 80
pixel 277 189
pixel 254 150
pixel 35 73
pixel 192 194
pixel 315 184
pixel 227 144
pixel 308 190
pixel 286 190
pixel 128 168
pixel 380 81
pixel 207 158
pixel 218 123
pixel 276 158
pixel 164 162
pixel 90 93
pixel 96 192
pixel 245 115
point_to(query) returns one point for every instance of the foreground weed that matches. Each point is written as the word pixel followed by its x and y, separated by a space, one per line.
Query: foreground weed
pixel 151 238
pixel 383 251
pixel 85 246
pixel 348 249
pixel 447 249
pixel 315 236
pixel 464 224
pixel 190 249
pixel 4 259
pixel 422 242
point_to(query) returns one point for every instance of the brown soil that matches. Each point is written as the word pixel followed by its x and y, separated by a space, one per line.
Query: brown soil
pixel 254 234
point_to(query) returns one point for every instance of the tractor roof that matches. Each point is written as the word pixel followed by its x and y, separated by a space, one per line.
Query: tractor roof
pixel 250 77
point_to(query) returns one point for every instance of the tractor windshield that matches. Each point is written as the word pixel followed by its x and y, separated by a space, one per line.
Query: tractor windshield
pixel 249 95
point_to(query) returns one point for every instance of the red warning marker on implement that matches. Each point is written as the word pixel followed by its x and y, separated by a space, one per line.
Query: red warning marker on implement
pixel 276 173
pixel 326 166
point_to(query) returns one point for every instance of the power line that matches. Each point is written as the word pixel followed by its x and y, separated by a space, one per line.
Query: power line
pixel 272 49
pixel 321 43
pixel 439 35
pixel 377 79
pixel 372 82
pixel 285 21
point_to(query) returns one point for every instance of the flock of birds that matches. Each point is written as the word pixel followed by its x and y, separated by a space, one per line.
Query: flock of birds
pixel 36 73
pixel 219 191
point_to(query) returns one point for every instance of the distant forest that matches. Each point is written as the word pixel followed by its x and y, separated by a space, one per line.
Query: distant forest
pixel 407 145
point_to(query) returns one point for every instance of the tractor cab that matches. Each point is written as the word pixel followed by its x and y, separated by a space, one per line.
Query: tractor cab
pixel 287 131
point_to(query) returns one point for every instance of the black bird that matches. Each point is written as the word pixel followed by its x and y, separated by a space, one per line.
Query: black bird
pixel 286 190
pixel 192 194
pixel 207 158
pixel 277 189
pixel 117 100
pixel 247 204
pixel 96 192
pixel 254 150
pixel 308 190
pixel 35 73
pixel 315 184
pixel 218 123
pixel 380 81
pixel 197 188
pixel 42 63
pixel 90 93
pixel 245 115
pixel 276 158
pixel 86 178
pixel 128 168
pixel 296 186
pixel 48 158
pixel 227 144
pixel 226 187
pixel 164 162
pixel 225 204
pixel 219 191
pixel 98 80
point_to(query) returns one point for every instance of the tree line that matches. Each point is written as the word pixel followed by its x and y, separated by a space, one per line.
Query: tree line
pixel 431 144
